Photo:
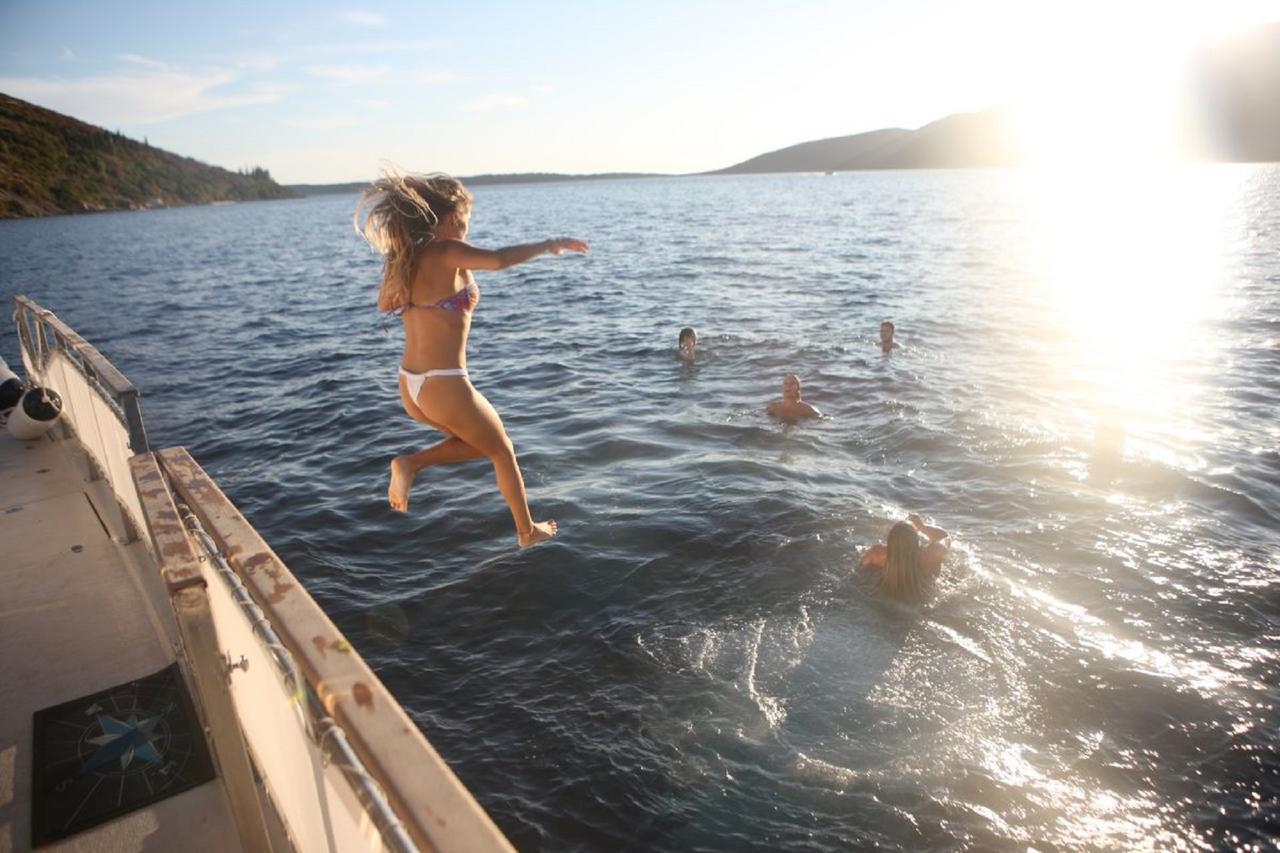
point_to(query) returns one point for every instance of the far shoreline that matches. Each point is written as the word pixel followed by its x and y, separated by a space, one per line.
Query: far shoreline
pixel 534 178
pixel 516 179
pixel 483 180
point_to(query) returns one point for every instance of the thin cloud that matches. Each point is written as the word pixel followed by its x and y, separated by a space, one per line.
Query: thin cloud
pixel 364 18
pixel 375 47
pixel 68 53
pixel 542 88
pixel 122 99
pixel 326 123
pixel 347 73
pixel 494 102
pixel 258 63
pixel 141 60
pixel 436 77
pixel 377 104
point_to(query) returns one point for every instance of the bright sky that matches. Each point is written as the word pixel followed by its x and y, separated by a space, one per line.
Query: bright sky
pixel 321 92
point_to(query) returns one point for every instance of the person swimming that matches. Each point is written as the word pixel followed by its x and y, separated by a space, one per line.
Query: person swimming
pixel 687 343
pixel 419 224
pixel 791 408
pixel 887 343
pixel 907 571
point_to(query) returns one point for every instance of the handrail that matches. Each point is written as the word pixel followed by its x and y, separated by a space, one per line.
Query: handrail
pixel 322 728
pixel 432 805
pixel 172 527
pixel 202 656
pixel 35 327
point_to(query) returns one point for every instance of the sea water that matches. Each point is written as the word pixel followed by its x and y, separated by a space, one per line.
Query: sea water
pixel 1085 396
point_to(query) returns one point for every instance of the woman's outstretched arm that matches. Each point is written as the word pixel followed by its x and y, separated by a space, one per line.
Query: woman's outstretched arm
pixel 464 256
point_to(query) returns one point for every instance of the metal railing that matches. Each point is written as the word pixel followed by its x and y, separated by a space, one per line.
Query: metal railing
pixel 99 406
pixel 319 706
pixel 42 334
pixel 322 729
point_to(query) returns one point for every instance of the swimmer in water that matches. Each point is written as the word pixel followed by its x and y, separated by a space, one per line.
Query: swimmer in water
pixel 791 408
pixel 907 570
pixel 419 224
pixel 688 343
pixel 887 343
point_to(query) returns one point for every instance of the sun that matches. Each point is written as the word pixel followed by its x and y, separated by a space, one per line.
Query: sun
pixel 1112 83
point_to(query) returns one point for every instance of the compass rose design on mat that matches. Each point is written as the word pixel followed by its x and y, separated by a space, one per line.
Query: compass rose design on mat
pixel 114 751
pixel 124 741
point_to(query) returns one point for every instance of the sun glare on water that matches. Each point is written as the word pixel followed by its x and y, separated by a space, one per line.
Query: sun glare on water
pixel 1133 253
pixel 1131 267
pixel 1129 234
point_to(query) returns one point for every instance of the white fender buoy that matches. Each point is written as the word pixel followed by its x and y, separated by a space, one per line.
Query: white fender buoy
pixel 36 412
pixel 11 387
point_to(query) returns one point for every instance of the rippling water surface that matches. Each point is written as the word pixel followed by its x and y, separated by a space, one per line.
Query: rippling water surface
pixel 1086 397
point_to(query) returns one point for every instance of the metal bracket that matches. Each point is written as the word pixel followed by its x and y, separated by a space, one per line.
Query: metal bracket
pixel 242 664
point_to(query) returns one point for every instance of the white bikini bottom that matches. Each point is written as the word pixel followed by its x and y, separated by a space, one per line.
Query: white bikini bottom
pixel 414 380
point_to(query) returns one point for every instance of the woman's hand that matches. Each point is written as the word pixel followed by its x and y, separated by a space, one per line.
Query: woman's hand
pixel 560 245
pixel 934 534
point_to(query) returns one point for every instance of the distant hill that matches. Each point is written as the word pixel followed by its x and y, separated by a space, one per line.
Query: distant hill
pixel 51 163
pixel 478 180
pixel 327 189
pixel 958 141
pixel 822 155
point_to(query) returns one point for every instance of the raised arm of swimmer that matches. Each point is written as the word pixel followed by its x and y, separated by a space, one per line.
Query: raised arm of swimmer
pixel 907 569
pixel 931 555
pixel 934 534
pixel 462 255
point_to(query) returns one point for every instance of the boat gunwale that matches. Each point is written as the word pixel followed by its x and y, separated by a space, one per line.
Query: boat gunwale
pixel 433 805
pixel 114 387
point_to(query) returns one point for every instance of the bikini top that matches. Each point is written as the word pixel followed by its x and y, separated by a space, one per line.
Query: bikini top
pixel 462 300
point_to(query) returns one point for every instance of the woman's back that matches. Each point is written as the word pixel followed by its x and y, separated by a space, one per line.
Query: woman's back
pixel 436 323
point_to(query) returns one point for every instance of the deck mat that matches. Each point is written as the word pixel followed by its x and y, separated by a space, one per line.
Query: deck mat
pixel 112 752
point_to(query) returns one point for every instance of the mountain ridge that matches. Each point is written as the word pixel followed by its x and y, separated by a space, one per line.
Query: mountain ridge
pixel 51 163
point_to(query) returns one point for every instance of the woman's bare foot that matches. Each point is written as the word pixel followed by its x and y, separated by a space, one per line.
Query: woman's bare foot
pixel 541 530
pixel 401 480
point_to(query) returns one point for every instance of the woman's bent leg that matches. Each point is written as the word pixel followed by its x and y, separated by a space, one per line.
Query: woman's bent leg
pixel 407 465
pixel 466 413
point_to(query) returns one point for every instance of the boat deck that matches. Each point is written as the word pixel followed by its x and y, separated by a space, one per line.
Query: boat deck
pixel 80 613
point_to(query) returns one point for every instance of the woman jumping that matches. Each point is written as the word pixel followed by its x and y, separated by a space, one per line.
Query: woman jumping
pixel 419 224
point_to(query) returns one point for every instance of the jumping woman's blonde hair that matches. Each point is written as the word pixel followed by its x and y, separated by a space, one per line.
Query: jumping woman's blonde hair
pixel 902 577
pixel 403 212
